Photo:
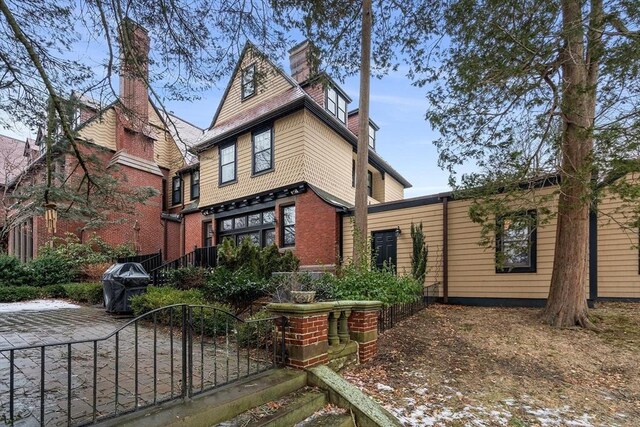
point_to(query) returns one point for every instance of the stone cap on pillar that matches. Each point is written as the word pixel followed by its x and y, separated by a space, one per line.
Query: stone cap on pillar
pixel 284 309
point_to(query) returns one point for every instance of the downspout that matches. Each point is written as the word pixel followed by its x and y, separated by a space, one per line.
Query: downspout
pixel 593 254
pixel 445 249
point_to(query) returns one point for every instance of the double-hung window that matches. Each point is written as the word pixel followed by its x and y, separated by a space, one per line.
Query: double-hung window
pixel 336 104
pixel 516 244
pixel 369 183
pixel 289 225
pixel 248 82
pixel 262 150
pixel 195 184
pixel 176 190
pixel 227 163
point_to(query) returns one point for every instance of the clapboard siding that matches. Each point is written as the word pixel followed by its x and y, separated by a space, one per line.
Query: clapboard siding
pixel 431 218
pixel 617 250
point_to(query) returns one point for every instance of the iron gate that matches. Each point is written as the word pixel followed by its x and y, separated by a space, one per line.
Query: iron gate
pixel 174 352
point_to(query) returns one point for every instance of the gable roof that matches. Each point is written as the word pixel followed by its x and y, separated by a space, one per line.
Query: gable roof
pixel 248 45
pixel 276 106
pixel 14 158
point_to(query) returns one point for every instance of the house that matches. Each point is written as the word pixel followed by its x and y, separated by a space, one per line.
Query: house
pixel 277 163
pixel 466 273
pixel 133 142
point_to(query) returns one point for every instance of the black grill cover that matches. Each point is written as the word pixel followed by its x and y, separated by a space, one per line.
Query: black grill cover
pixel 120 282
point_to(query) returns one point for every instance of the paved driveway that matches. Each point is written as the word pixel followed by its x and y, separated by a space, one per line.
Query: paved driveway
pixel 117 388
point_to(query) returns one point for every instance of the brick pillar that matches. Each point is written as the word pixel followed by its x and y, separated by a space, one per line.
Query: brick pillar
pixel 306 333
pixel 363 328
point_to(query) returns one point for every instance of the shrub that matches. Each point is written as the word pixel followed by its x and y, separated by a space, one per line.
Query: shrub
pixel 256 334
pixel 419 253
pixel 237 288
pixel 213 319
pixel 262 262
pixel 13 272
pixel 53 291
pixel 188 277
pixel 88 293
pixel 380 285
pixel 50 269
pixel 18 293
pixel 92 272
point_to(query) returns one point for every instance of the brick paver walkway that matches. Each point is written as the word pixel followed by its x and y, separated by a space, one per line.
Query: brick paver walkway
pixel 214 363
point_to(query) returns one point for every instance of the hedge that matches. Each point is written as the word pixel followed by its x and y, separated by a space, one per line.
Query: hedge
pixel 88 293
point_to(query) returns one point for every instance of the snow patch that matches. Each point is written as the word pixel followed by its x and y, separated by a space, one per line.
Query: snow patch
pixel 35 305
pixel 384 387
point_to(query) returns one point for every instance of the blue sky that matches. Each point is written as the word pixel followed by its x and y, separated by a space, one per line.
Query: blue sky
pixel 405 138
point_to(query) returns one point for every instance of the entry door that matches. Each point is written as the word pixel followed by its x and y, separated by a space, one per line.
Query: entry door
pixel 385 248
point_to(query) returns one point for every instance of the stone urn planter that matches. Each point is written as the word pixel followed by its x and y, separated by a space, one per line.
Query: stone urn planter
pixel 303 297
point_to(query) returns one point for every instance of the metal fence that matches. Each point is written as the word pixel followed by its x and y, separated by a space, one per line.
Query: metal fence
pixel 174 352
pixel 199 257
pixel 392 314
pixel 149 261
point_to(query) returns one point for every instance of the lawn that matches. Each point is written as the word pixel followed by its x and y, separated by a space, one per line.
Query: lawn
pixel 458 366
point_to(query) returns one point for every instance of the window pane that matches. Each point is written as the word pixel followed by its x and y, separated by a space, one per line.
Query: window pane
pixel 262 141
pixel 240 222
pixel 195 177
pixel 227 224
pixel 254 219
pixel 248 82
pixel 516 254
pixel 176 184
pixel 227 154
pixel 254 237
pixel 289 236
pixel 516 229
pixel 262 161
pixel 269 237
pixel 289 214
pixel 228 172
pixel 269 217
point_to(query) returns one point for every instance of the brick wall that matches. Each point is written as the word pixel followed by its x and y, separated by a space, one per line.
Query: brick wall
pixel 363 327
pixel 193 231
pixel 317 231
pixel 173 248
pixel 306 340
pixel 317 92
pixel 353 123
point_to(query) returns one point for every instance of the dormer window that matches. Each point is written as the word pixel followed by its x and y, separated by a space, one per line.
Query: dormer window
pixel 372 137
pixel 248 83
pixel 336 104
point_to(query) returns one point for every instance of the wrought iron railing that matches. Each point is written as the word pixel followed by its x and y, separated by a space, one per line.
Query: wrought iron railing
pixel 149 261
pixel 174 352
pixel 199 257
pixel 392 314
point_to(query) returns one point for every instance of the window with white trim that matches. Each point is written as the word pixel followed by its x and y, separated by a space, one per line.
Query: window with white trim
pixel 248 82
pixel 336 104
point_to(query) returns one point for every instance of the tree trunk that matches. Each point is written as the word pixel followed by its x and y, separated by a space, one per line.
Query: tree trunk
pixel 362 157
pixel 567 302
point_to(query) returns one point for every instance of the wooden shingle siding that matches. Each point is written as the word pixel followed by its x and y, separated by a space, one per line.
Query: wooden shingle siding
pixel 166 152
pixel 102 130
pixel 328 159
pixel 288 164
pixel 431 217
pixel 269 84
pixel 617 252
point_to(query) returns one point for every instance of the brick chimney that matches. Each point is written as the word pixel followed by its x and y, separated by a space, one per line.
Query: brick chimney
pixel 134 71
pixel 299 61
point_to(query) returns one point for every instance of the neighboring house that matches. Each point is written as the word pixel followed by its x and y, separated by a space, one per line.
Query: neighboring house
pixel 137 145
pixel 277 163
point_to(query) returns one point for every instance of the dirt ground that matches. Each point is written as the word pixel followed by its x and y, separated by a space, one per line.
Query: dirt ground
pixel 473 366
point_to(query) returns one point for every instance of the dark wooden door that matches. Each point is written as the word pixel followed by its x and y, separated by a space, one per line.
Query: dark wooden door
pixel 385 248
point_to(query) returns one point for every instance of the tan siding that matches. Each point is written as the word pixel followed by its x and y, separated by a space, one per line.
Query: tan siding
pixel 431 217
pixel 617 251
pixel 472 267
pixel 186 188
pixel 270 84
pixel 102 130
pixel 288 160
pixel 379 188
pixel 166 152
pixel 393 189
pixel 328 159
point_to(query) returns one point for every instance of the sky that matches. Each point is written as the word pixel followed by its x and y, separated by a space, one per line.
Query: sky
pixel 405 139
